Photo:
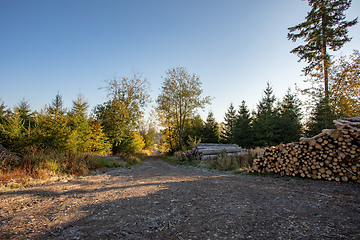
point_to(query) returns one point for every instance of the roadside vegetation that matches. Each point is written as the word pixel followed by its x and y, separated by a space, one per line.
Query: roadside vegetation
pixel 35 167
pixel 57 142
pixel 223 162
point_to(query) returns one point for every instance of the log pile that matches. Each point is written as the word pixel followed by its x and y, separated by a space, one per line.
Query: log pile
pixel 213 150
pixel 333 154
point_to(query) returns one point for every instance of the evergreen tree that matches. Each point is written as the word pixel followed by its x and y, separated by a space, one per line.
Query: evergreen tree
pixel 211 130
pixel 242 131
pixel 321 118
pixel 98 141
pixel 229 120
pixel 52 126
pixel 266 122
pixel 56 109
pixel 80 125
pixel 12 132
pixel 325 28
pixel 24 109
pixel 290 118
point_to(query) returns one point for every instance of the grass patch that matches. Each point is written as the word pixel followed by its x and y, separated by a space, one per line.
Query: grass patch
pixel 179 159
pixel 224 162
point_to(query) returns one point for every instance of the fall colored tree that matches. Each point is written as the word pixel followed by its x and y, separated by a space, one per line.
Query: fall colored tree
pixel 121 115
pixel 178 102
pixel 345 86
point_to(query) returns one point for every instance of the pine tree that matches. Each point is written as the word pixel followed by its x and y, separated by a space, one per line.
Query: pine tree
pixel 98 141
pixel 52 126
pixel 242 131
pixel 80 125
pixel 325 28
pixel 266 122
pixel 290 118
pixel 211 130
pixel 56 109
pixel 321 118
pixel 12 132
pixel 229 120
pixel 24 109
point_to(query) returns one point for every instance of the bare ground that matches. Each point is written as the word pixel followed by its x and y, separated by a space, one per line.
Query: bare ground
pixel 157 200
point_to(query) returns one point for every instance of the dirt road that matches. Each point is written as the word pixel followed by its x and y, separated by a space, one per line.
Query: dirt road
pixel 156 200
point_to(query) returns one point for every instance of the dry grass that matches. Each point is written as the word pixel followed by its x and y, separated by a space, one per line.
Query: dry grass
pixel 226 162
pixel 39 166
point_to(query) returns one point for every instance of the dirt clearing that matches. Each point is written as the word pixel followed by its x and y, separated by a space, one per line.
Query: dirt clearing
pixel 157 200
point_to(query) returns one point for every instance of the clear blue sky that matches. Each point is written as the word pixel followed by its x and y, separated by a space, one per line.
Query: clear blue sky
pixel 71 46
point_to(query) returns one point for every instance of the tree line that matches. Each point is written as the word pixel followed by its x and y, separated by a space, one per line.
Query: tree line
pixel 273 121
pixel 112 127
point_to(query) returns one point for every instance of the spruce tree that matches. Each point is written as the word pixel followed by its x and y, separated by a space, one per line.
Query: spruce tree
pixel 242 131
pixel 266 123
pixel 52 125
pixel 80 125
pixel 290 118
pixel 211 129
pixel 56 109
pixel 229 120
pixel 321 118
pixel 325 29
pixel 24 109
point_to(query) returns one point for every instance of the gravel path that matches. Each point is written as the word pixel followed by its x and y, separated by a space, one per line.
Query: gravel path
pixel 157 200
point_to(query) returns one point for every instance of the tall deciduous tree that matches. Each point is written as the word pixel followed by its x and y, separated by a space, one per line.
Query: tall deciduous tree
pixel 345 85
pixel 178 101
pixel 325 29
pixel 122 113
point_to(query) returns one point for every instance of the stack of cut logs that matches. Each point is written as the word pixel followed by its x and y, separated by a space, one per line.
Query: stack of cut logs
pixel 333 154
